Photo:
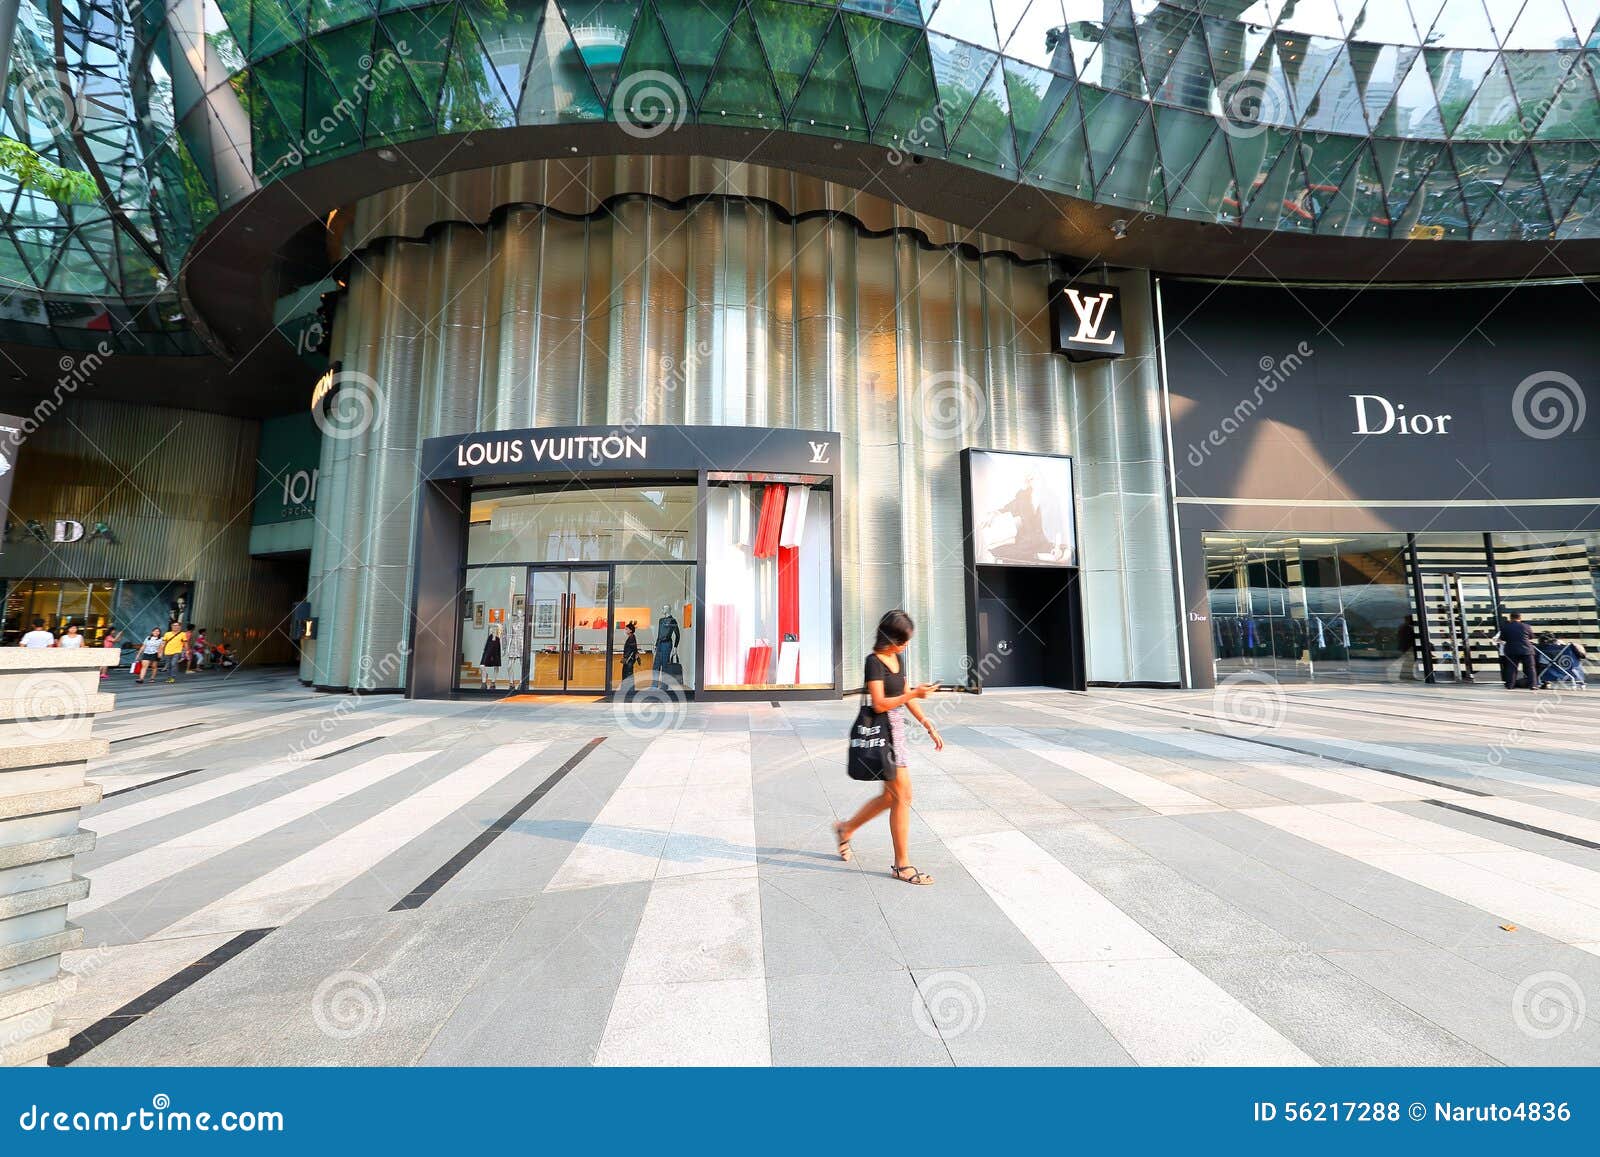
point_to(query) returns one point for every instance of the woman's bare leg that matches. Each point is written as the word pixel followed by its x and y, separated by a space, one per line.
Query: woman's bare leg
pixel 869 810
pixel 899 792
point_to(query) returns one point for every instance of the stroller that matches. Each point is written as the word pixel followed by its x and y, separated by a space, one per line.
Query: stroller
pixel 1558 662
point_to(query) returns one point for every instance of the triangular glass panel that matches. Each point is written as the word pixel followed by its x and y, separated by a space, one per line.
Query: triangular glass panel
pixel 275 151
pixel 1385 22
pixel 1536 79
pixel 425 36
pixel 1305 62
pixel 1041 38
pixel 1563 168
pixel 1585 16
pixel 1541 24
pixel 1492 113
pixel 984 138
pixel 1316 18
pixel 1120 68
pixel 335 87
pixel 1236 48
pixel 1502 16
pixel 696 32
pixel 830 98
pixel 1436 211
pixel 1134 176
pixel 323 15
pixel 1379 70
pixel 275 24
pixel 1276 188
pixel 600 31
pixel 1327 159
pixel 1035 94
pixel 904 11
pixel 1107 120
pixel 236 15
pixel 557 87
pixel 1337 107
pixel 1061 159
pixel 1575 114
pixel 1181 137
pixel 740 90
pixel 880 50
pixel 1254 160
pixel 1162 36
pixel 283 83
pixel 1356 207
pixel 961 71
pixel 1524 193
pixel 648 95
pixel 397 109
pixel 1456 77
pixel 792 34
pixel 1414 110
pixel 1459 24
pixel 1187 81
pixel 472 97
pixel 1582 218
pixel 1402 167
pixel 970 21
pixel 1008 14
pixel 910 117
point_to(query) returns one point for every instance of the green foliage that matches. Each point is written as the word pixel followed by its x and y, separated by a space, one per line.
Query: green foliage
pixel 31 171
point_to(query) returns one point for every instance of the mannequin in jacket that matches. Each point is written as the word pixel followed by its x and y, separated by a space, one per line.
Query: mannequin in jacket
pixel 667 636
pixel 491 656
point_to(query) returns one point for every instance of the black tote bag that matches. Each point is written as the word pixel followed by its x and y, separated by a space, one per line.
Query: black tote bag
pixel 870 754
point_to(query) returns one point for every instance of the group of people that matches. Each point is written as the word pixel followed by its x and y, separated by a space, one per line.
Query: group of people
pixel 180 648
pixel 1527 661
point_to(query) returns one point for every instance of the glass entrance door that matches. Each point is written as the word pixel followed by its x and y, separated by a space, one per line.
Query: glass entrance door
pixel 1463 620
pixel 569 630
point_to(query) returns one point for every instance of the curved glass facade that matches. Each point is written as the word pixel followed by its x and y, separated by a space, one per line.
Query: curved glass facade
pixel 1437 119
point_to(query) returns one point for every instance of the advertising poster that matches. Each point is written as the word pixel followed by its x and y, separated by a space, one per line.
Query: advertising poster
pixel 1022 512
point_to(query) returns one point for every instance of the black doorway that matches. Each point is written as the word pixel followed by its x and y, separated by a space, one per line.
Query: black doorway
pixel 1028 629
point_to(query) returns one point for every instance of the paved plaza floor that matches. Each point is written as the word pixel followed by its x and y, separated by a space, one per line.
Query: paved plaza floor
pixel 1261 876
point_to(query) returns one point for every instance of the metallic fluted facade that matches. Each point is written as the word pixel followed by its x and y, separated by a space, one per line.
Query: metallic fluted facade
pixel 710 307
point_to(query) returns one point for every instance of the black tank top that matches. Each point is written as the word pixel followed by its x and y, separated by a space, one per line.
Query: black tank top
pixel 894 682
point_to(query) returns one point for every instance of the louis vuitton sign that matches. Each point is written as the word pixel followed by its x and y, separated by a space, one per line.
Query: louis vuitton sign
pixel 1085 320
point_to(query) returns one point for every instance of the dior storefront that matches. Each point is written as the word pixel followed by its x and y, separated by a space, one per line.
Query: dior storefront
pixel 727 405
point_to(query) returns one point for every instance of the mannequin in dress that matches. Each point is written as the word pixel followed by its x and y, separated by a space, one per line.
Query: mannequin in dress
pixel 491 657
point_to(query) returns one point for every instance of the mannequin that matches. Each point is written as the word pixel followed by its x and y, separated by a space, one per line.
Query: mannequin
pixel 513 650
pixel 491 657
pixel 667 636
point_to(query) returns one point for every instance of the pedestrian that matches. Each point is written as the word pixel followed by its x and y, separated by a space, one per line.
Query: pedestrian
pixel 630 654
pixel 885 679
pixel 198 649
pixel 112 642
pixel 71 640
pixel 173 644
pixel 1519 651
pixel 38 637
pixel 149 656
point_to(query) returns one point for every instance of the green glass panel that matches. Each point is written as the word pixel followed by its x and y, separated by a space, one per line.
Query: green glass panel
pixel 1582 218
pixel 696 32
pixel 1492 114
pixel 905 11
pixel 472 97
pixel 881 49
pixel 397 5
pixel 648 94
pixel 1181 136
pixel 281 81
pixel 12 267
pixel 1412 109
pixel 1402 167
pixel 792 34
pixel 1437 203
pixel 326 14
pixel 600 31
pixel 1204 191
pixel 1455 75
pixel 961 71
pixel 829 96
pixel 1356 208
pixel 1035 95
pixel 1061 160
pixel 1328 158
pixel 1524 194
pixel 337 92
pixel 557 87
pixel 1255 163
pixel 1108 118
pixel 911 118
pixel 1162 37
pixel 740 90
pixel 1134 178
pixel 1119 66
pixel 275 24
pixel 1563 168
pixel 275 152
pixel 984 138
pixel 1575 114
pixel 396 110
pixel 236 15
pixel 421 43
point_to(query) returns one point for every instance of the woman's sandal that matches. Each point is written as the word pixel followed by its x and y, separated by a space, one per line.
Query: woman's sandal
pixel 915 877
pixel 844 844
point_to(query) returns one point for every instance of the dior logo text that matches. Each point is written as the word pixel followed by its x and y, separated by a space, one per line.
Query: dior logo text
pixel 1090 310
pixel 1376 414
pixel 819 452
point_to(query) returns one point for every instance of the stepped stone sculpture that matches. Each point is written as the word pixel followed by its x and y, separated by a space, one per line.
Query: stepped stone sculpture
pixel 48 700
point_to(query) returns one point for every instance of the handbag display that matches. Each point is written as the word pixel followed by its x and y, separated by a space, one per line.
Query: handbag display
pixel 671 667
pixel 870 753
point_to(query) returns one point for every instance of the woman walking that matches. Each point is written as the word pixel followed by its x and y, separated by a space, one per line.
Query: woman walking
pixel 886 687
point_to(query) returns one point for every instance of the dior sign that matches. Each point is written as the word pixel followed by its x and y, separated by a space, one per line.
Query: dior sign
pixel 1085 320
pixel 1376 414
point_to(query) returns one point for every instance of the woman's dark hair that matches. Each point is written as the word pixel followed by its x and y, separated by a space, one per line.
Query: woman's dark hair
pixel 894 629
